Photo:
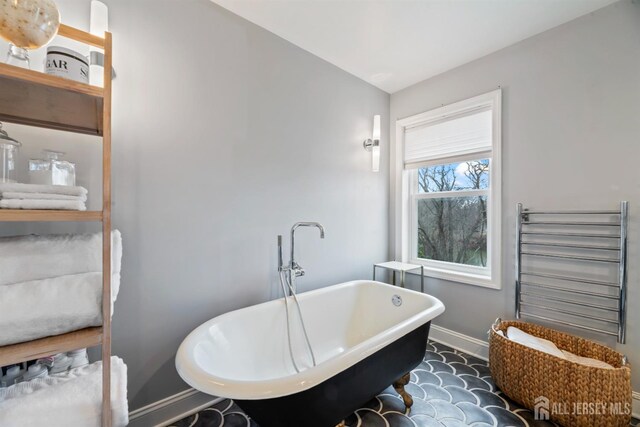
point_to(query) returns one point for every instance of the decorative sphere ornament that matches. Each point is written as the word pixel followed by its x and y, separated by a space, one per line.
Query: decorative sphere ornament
pixel 28 24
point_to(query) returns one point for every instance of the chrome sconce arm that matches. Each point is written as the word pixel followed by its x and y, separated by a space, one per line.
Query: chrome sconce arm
pixel 370 143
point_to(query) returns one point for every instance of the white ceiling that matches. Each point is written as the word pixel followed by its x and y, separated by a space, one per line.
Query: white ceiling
pixel 393 44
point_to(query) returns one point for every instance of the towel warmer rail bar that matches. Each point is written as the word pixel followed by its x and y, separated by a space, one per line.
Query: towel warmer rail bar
pixel 526 226
pixel 572 291
pixel 569 312
pixel 559 234
pixel 574 257
pixel 572 246
pixel 568 301
pixel 570 279
pixel 611 212
pixel 581 224
pixel 573 325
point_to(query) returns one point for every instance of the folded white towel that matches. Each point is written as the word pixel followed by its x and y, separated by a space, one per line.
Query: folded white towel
pixel 27 258
pixel 534 342
pixel 67 205
pixel 41 308
pixel 36 188
pixel 40 196
pixel 68 399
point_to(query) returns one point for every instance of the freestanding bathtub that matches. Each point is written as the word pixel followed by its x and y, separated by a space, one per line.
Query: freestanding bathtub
pixel 365 336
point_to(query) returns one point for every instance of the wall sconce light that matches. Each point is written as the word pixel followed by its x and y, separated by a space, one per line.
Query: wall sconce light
pixel 98 25
pixel 373 144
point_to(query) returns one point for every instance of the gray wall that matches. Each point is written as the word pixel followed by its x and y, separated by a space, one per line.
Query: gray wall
pixel 571 98
pixel 224 136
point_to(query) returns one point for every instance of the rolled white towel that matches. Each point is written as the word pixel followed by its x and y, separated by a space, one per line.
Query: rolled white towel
pixel 32 257
pixel 41 196
pixel 587 361
pixel 41 308
pixel 69 399
pixel 41 204
pixel 36 188
pixel 546 346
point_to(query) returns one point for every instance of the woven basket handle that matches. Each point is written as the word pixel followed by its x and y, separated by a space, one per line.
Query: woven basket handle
pixel 495 326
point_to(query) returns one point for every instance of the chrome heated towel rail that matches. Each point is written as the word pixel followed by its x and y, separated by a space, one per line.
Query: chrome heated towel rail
pixel 575 268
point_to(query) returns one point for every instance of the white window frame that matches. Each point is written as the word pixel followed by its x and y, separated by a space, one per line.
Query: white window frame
pixel 407 195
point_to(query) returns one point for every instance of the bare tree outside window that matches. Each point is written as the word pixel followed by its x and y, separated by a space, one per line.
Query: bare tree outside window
pixel 453 227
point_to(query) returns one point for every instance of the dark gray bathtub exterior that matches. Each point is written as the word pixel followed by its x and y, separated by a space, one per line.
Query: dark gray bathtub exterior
pixel 331 401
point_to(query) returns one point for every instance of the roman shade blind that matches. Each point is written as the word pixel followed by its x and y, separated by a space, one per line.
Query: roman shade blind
pixel 455 135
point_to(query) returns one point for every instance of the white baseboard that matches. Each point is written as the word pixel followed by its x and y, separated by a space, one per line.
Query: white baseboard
pixel 480 349
pixel 464 343
pixel 171 409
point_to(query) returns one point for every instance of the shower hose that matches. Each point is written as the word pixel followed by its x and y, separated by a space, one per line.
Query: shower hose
pixel 283 280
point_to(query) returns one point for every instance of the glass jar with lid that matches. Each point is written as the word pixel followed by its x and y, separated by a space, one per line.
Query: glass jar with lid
pixel 52 170
pixel 9 148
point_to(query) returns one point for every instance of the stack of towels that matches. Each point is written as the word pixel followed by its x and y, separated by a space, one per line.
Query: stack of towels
pixel 50 285
pixel 33 196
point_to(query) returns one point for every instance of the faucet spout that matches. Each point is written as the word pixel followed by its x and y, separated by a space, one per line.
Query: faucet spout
pixel 293 236
pixel 308 224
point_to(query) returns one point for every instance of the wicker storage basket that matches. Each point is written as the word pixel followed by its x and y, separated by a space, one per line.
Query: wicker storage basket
pixel 529 376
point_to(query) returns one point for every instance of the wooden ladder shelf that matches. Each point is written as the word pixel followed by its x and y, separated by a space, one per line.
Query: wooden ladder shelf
pixel 37 99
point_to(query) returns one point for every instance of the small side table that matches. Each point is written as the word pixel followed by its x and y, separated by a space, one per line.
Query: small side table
pixel 401 267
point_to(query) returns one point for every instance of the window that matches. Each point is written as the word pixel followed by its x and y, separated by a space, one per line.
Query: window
pixel 448 167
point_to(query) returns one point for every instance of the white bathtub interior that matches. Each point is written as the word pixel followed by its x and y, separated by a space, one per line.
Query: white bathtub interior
pixel 251 344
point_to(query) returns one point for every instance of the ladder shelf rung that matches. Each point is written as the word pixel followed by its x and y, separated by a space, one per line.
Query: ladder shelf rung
pixel 30 350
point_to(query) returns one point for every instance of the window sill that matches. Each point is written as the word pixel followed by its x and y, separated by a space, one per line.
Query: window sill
pixel 457 276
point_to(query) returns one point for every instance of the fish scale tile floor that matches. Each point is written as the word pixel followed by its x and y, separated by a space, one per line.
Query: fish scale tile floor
pixel 450 389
